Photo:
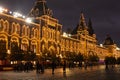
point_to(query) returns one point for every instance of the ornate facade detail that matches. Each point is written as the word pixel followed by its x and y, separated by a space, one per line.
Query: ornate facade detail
pixel 47 35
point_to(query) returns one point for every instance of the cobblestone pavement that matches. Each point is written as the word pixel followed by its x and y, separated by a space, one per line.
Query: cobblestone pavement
pixel 95 73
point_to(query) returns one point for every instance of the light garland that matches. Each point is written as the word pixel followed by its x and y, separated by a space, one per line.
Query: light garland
pixel 15 14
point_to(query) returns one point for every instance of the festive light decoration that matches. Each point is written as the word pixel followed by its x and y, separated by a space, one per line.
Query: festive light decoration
pixel 3 10
pixel 15 14
pixel 66 35
pixel 28 20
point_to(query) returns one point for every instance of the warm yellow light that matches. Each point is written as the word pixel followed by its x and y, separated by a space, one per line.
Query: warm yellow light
pixel 65 34
pixel 16 14
pixel 101 45
pixel 8 51
pixel 28 20
pixel 117 48
pixel 1 9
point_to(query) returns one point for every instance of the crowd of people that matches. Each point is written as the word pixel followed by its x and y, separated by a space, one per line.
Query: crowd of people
pixel 39 66
pixel 28 66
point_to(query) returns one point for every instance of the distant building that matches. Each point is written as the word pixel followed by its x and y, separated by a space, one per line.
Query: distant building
pixel 44 32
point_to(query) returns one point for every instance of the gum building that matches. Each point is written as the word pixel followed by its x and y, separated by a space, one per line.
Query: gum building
pixel 44 33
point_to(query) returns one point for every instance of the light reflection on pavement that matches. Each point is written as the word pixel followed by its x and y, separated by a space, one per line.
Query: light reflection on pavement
pixel 95 73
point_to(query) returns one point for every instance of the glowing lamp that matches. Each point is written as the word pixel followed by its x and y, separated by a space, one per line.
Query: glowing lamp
pixel 28 20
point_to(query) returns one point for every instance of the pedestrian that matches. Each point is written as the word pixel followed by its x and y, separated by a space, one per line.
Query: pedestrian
pixel 42 68
pixel 64 66
pixel 69 65
pixel 85 65
pixel 27 66
pixel 53 66
pixel 80 65
pixel 38 67
pixel 106 64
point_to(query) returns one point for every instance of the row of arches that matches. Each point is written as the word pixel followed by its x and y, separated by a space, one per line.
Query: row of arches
pixel 16 28
pixel 50 46
pixel 70 45
pixel 14 42
pixel 50 34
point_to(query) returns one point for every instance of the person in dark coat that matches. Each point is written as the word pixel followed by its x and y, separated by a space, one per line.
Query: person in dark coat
pixel 53 66
pixel 64 67
pixel 38 67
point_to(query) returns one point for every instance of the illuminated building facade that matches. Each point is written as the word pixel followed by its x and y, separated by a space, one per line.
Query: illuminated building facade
pixel 45 33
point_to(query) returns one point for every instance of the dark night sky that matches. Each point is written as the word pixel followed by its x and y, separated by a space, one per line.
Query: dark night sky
pixel 105 14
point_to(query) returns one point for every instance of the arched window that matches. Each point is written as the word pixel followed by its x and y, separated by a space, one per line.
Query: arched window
pixel 24 45
pixel 13 28
pixel 32 32
pixel 18 29
pixel 1 25
pixel 2 45
pixel 23 30
pixel 36 33
pixel 6 26
pixel 14 46
pixel 28 31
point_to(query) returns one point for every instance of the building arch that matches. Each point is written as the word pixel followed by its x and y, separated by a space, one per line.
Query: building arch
pixel 28 31
pixel 13 28
pixel 43 45
pixel 18 28
pixel 14 43
pixel 6 26
pixel 1 24
pixel 24 44
pixel 23 30
pixel 52 50
pixel 14 39
pixel 33 46
pixel 3 41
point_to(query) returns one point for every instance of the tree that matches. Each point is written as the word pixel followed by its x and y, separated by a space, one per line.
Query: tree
pixel 118 60
pixel 3 55
pixel 93 58
pixel 16 54
pixel 80 57
pixel 29 56
pixel 110 60
pixel 3 50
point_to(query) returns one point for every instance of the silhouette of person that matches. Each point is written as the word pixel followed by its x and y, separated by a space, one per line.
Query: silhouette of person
pixel 64 66
pixel 53 66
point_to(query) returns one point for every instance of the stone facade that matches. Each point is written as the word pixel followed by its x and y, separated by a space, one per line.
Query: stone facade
pixel 45 33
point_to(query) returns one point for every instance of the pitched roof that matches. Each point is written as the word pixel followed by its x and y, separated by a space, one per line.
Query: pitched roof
pixel 40 8
pixel 108 41
pixel 90 28
pixel 76 29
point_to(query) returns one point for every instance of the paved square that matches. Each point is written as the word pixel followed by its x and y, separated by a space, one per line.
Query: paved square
pixel 95 73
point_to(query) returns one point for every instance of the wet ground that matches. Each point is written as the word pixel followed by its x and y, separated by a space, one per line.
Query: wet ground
pixel 94 73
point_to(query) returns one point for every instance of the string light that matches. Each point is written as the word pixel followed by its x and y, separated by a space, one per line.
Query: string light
pixel 28 20
pixel 15 14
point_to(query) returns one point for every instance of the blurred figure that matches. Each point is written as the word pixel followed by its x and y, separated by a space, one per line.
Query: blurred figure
pixel 38 67
pixel 53 66
pixel 64 66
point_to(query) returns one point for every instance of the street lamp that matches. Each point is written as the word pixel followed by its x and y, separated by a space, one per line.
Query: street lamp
pixel 8 51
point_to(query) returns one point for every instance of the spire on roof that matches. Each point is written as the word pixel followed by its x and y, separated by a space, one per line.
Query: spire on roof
pixel 81 25
pixel 90 28
pixel 82 21
pixel 40 8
